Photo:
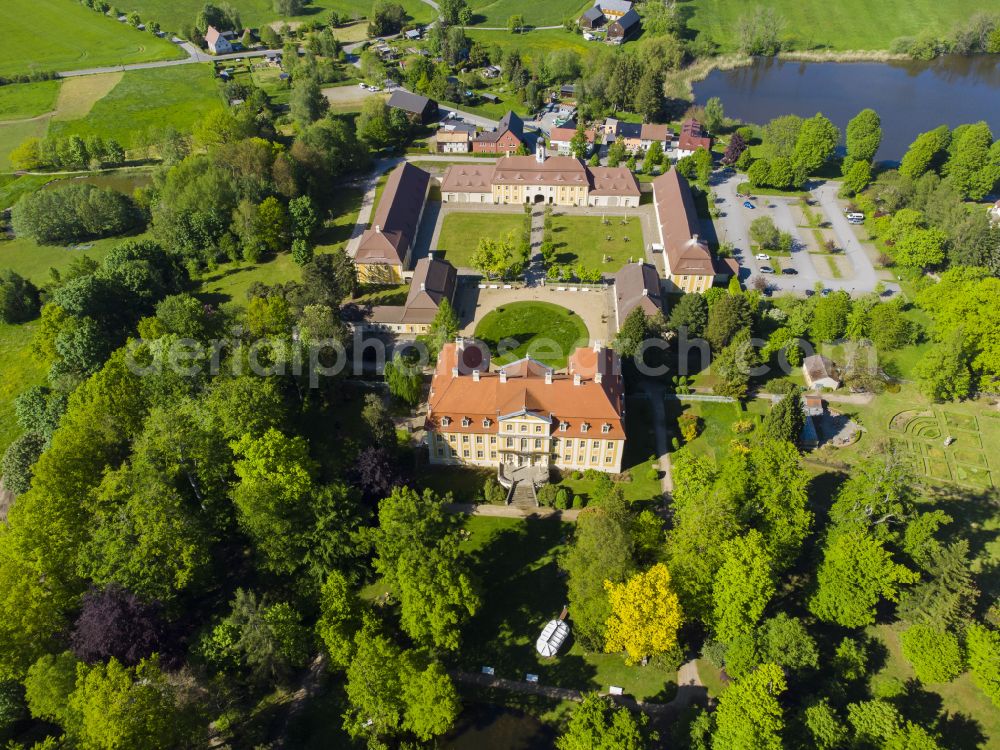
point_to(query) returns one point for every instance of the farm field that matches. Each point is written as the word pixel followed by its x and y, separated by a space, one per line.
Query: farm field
pixel 173 14
pixel 12 134
pixel 461 230
pixel 530 324
pixel 845 25
pixel 74 37
pixel 33 261
pixel 549 13
pixel 583 240
pixel 183 96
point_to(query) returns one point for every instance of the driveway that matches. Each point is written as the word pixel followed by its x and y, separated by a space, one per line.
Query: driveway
pixel 194 55
pixel 734 227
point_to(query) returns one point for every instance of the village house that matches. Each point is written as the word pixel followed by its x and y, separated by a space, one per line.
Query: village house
pixel 637 285
pixel 820 372
pixel 452 141
pixel 593 18
pixel 623 28
pixel 526 414
pixel 556 180
pixel 508 137
pixel 383 254
pixel 688 263
pixel 637 136
pixel 219 43
pixel 433 282
pixel 693 136
pixel 560 138
pixel 418 108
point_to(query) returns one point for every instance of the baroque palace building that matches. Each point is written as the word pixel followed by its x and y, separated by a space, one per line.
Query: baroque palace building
pixel 525 413
pixel 554 180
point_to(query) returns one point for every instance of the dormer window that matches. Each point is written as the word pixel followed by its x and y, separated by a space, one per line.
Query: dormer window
pixel 606 427
pixel 466 421
pixel 585 427
pixel 563 426
pixel 445 421
pixel 487 422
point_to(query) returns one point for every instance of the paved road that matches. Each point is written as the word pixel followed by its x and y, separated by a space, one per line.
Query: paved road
pixel 194 55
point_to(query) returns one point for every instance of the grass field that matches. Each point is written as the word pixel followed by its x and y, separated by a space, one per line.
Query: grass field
pixel 556 330
pixel 959 698
pixel 583 240
pixel 12 134
pixel 79 95
pixel 19 369
pixel 144 99
pixel 533 45
pixel 461 231
pixel 516 561
pixel 21 100
pixel 549 13
pixel 844 25
pixel 172 14
pixel 33 261
pixel 57 35
pixel 12 187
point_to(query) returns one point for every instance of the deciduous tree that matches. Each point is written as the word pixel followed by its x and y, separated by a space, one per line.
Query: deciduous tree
pixel 743 586
pixel 749 716
pixel 645 615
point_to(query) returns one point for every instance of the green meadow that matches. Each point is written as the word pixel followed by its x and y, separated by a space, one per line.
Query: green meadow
pixel 21 100
pixel 843 25
pixel 549 13
pixel 177 96
pixel 57 35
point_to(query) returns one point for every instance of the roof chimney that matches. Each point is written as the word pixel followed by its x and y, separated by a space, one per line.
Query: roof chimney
pixel 597 346
pixel 598 377
pixel 454 372
pixel 576 378
pixel 423 287
pixel 645 291
pixel 694 237
pixel 503 376
pixel 548 377
pixel 475 376
pixel 378 229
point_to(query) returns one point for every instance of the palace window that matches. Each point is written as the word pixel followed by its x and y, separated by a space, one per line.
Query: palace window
pixel 466 421
pixel 563 426
pixel 445 421
pixel 487 422
pixel 606 427
pixel 584 427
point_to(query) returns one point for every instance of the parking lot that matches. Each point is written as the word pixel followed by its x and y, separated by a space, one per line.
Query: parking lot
pixel 854 272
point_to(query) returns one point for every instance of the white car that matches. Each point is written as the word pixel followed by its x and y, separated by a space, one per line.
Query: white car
pixel 766 269
pixel 762 256
pixel 374 88
pixel 362 86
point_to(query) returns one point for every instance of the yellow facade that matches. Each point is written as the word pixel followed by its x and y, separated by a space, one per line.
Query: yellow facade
pixel 691 283
pixel 379 273
pixel 526 440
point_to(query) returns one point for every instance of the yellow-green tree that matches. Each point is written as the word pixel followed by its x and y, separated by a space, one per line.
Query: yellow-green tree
pixel 645 615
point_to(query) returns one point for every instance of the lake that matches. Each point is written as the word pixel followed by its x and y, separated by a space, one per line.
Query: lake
pixel 910 97
pixel 488 727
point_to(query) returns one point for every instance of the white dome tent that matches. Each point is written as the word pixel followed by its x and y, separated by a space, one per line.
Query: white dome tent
pixel 554 634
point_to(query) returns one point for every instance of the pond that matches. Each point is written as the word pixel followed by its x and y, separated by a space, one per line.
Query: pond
pixel 490 727
pixel 123 182
pixel 910 97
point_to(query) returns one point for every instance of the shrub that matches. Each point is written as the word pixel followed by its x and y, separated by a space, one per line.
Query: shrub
pixel 18 298
pixel 688 424
pixel 935 655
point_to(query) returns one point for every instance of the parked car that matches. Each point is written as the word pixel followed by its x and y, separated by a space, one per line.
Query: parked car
pixel 789 272
pixel 762 256
pixel 374 88
pixel 362 86
pixel 748 204
pixel 766 269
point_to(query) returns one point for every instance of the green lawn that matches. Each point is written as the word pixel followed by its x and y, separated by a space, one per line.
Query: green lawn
pixel 12 134
pixel 19 369
pixel 843 25
pixel 46 35
pixel 959 698
pixel 583 240
pixel 516 561
pixel 33 261
pixel 549 13
pixel 20 100
pixel 533 45
pixel 540 329
pixel 148 99
pixel 12 187
pixel 716 426
pixel 461 232
pixel 171 14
